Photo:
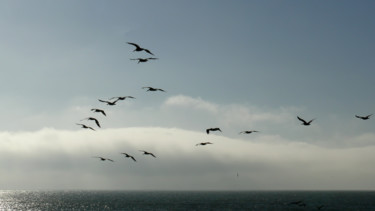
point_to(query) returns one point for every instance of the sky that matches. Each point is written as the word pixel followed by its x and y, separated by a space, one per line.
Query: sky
pixel 236 65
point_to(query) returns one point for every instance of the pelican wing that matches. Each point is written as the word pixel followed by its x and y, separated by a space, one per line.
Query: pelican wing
pixel 148 51
pixel 97 122
pixel 310 121
pixel 104 101
pixel 299 118
pixel 135 45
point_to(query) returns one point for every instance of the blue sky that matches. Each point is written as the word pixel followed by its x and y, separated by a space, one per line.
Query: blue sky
pixel 236 65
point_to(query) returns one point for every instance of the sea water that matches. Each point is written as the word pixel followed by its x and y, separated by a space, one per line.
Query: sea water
pixel 187 200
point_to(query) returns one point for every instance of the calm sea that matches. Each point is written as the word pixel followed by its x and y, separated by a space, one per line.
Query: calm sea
pixel 187 200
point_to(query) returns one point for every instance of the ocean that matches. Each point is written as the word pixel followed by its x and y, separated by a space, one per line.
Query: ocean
pixel 187 200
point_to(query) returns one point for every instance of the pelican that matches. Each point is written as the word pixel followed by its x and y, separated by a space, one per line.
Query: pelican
pixel 297 202
pixel 212 129
pixel 108 102
pixel 144 59
pixel 248 131
pixel 363 117
pixel 128 156
pixel 151 89
pixel 86 127
pixel 104 159
pixel 98 110
pixel 122 98
pixel 92 118
pixel 304 122
pixel 148 153
pixel 138 48
pixel 203 143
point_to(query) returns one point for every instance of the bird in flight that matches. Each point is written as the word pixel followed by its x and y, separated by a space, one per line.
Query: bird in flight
pixel 108 102
pixel 93 119
pixel 128 156
pixel 151 89
pixel 122 98
pixel 363 117
pixel 203 143
pixel 212 129
pixel 85 126
pixel 138 48
pixel 248 131
pixel 304 122
pixel 104 159
pixel 148 153
pixel 144 59
pixel 99 111
pixel 296 202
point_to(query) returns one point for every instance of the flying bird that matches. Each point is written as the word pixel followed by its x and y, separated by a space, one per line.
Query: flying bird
pixel 212 129
pixel 363 117
pixel 128 156
pixel 109 102
pixel 93 119
pixel 85 126
pixel 304 122
pixel 296 202
pixel 144 59
pixel 248 131
pixel 203 143
pixel 148 153
pixel 151 89
pixel 104 159
pixel 138 48
pixel 99 111
pixel 122 98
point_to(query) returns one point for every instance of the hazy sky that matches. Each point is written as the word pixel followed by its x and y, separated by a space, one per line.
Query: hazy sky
pixel 237 65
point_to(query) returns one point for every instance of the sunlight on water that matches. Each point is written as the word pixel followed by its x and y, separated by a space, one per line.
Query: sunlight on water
pixel 188 200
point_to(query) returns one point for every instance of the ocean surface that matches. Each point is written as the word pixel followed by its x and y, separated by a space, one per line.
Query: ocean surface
pixel 187 200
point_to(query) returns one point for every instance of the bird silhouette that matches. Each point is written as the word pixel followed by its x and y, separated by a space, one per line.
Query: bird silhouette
pixel 363 117
pixel 320 207
pixel 304 122
pixel 99 111
pixel 121 98
pixel 93 119
pixel 203 143
pixel 128 156
pixel 151 89
pixel 248 131
pixel 85 126
pixel 148 153
pixel 109 102
pixel 144 59
pixel 212 129
pixel 104 159
pixel 138 48
pixel 296 202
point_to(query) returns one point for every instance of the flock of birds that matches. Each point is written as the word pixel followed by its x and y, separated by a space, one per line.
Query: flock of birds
pixel 113 100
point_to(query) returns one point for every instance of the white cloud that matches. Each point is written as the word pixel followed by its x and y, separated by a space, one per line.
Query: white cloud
pixel 189 102
pixel 50 158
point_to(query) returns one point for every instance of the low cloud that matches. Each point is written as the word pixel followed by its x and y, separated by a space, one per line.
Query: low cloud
pixel 190 102
pixel 63 159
